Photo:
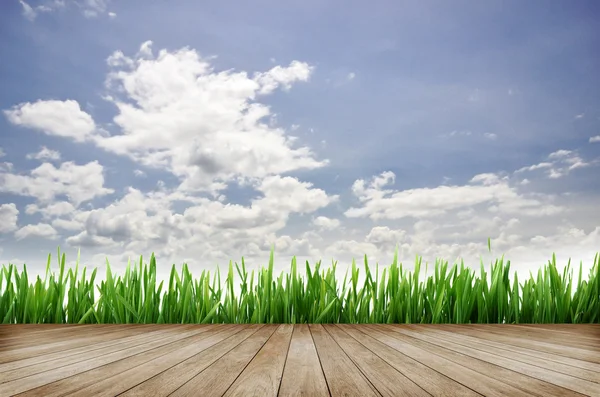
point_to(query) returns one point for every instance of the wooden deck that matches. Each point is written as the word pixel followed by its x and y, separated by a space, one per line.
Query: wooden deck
pixel 300 360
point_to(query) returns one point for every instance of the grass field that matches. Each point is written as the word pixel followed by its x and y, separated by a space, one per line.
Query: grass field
pixel 455 294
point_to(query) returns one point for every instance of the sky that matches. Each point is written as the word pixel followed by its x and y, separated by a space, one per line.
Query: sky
pixel 208 131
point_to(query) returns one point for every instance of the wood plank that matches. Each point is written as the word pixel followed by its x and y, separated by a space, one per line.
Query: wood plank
pixel 299 360
pixel 88 351
pixel 262 376
pixel 572 334
pixel 580 329
pixel 303 375
pixel 508 341
pixel 466 376
pixel 516 354
pixel 429 380
pixel 220 375
pixel 500 368
pixel 172 379
pixel 491 340
pixel 539 335
pixel 62 346
pixel 15 333
pixel 45 340
pixel 386 379
pixel 343 377
pixel 88 377
pixel 33 381
pixel 124 381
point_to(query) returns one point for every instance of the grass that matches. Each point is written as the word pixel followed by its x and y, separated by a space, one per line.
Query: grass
pixel 452 295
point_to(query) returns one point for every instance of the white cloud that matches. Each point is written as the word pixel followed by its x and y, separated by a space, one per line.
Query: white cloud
pixel 490 135
pixel 326 223
pixel 79 183
pixel 580 116
pixel 385 238
pixel 489 189
pixel 56 209
pixel 139 173
pixel 141 221
pixel 8 217
pixel 283 76
pixel 40 230
pixel 2 153
pixel 28 11
pixel 31 13
pixel 595 139
pixel 89 8
pixel 93 8
pixel 44 154
pixel 60 118
pixel 534 167
pixel 112 15
pixel 560 154
pixel 560 163
pixel 146 50
pixel 203 126
pixel 351 76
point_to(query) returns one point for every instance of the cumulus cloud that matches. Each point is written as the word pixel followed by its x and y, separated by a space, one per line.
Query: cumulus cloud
pixel 384 237
pixel 53 210
pixel 53 117
pixel 282 76
pixel 8 217
pixel 141 221
pixel 42 230
pixel 491 189
pixel 206 127
pixel 44 154
pixel 595 139
pixel 79 183
pixel 326 223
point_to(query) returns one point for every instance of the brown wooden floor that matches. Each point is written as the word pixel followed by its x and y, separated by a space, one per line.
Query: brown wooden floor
pixel 286 360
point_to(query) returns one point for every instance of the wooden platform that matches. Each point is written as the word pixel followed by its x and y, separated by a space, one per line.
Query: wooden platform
pixel 307 360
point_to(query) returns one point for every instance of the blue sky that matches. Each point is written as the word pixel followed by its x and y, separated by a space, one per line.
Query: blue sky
pixel 207 131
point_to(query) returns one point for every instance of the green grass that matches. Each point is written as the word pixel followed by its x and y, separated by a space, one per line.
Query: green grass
pixel 451 295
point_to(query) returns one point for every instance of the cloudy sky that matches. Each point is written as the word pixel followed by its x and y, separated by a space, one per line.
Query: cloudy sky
pixel 208 131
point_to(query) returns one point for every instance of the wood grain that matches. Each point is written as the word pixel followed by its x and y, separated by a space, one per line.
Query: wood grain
pixel 445 360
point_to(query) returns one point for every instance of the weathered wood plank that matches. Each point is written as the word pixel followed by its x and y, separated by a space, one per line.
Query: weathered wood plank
pixel 541 335
pixel 512 340
pixel 30 366
pixel 466 376
pixel 429 380
pixel 216 379
pixel 300 360
pixel 501 368
pixel 343 377
pixel 124 381
pixel 30 382
pixel 303 375
pixel 386 379
pixel 480 336
pixel 262 376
